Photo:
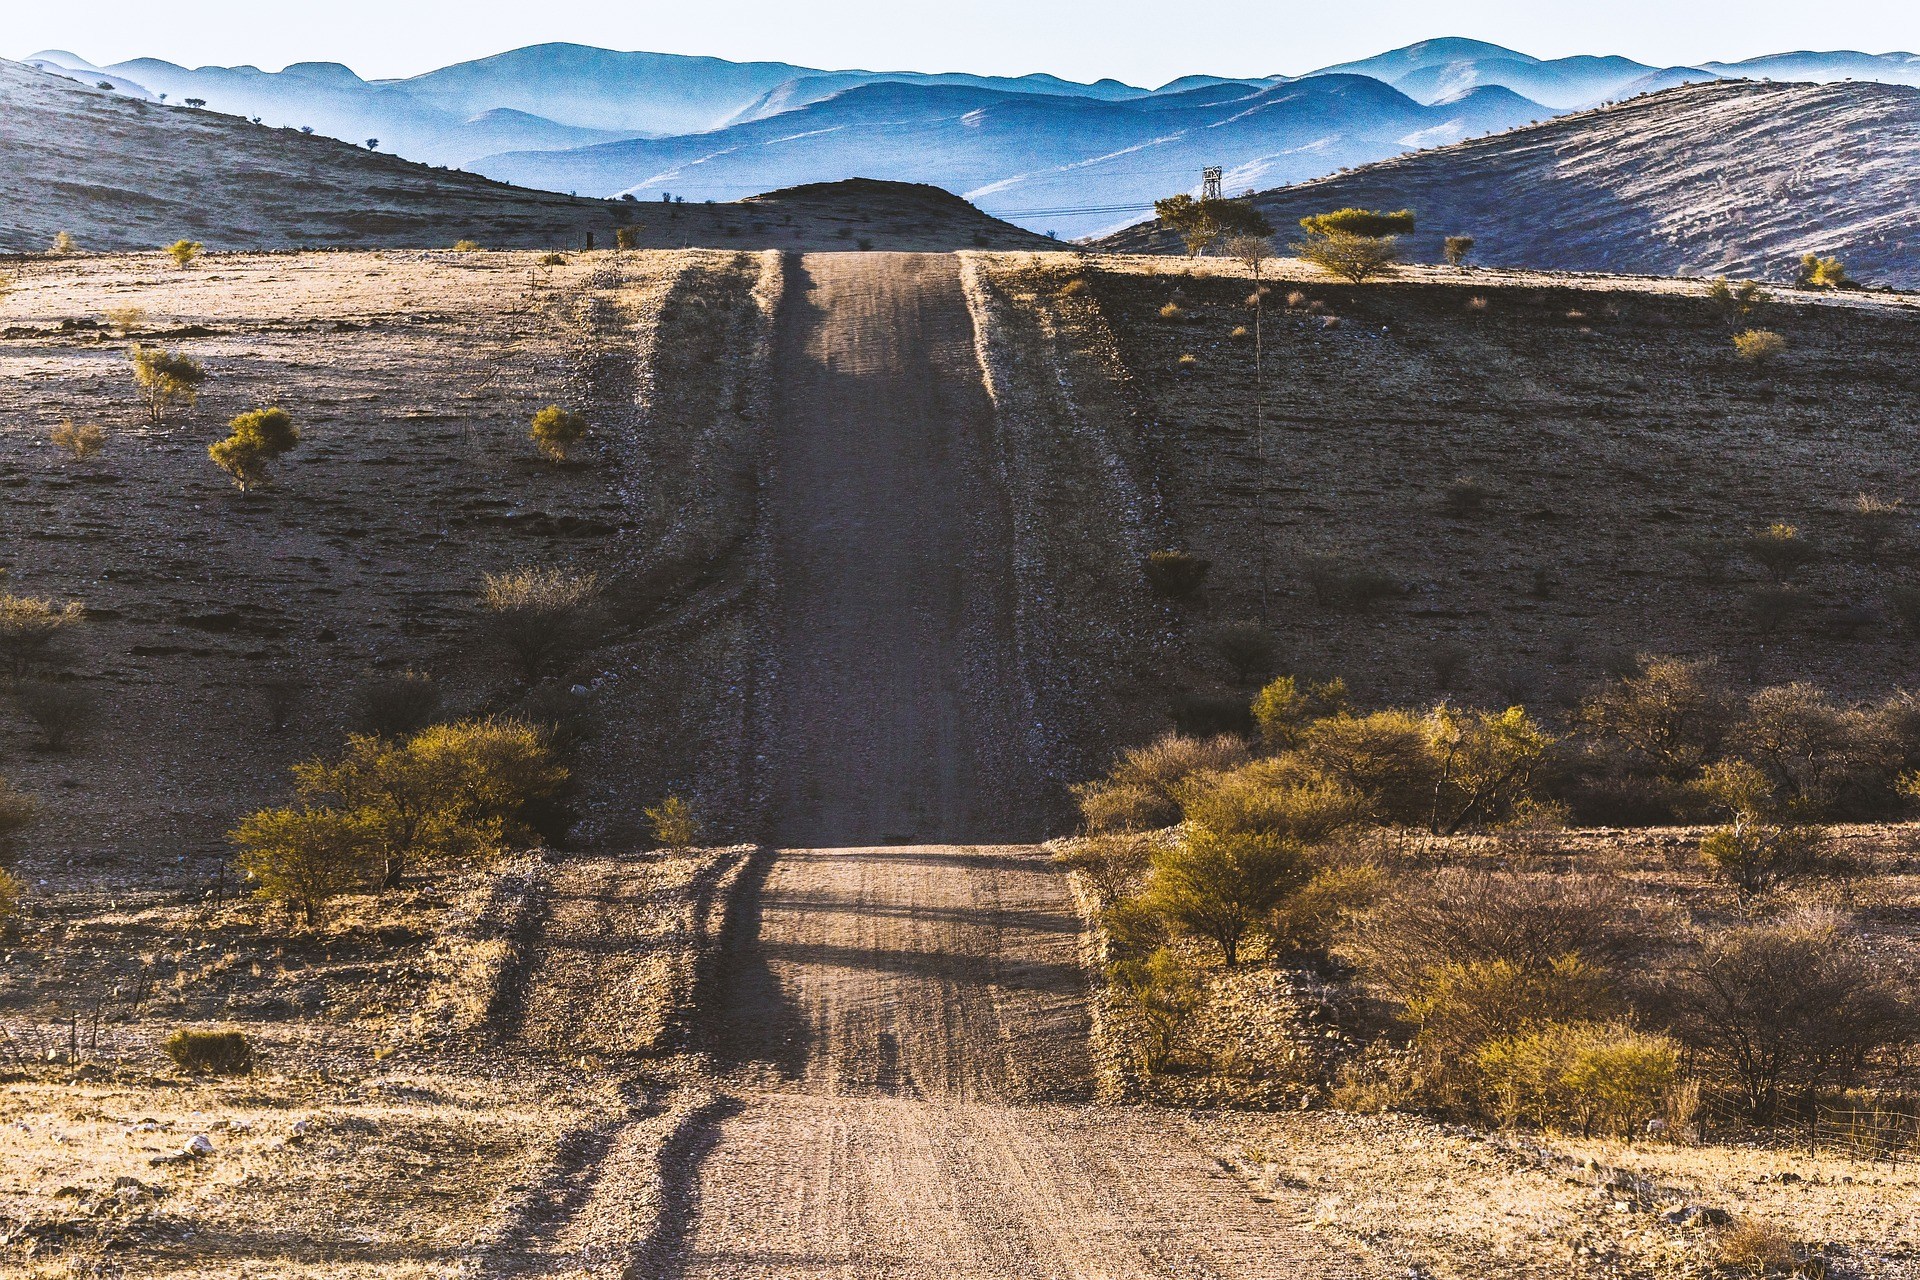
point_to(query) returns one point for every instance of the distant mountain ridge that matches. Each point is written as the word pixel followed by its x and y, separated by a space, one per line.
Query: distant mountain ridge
pixel 570 117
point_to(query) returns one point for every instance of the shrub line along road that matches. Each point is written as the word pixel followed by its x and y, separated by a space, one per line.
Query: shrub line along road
pixel 903 1027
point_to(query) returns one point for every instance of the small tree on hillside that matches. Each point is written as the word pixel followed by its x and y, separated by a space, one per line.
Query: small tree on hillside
pixel 1252 252
pixel 303 857
pixel 1816 272
pixel 31 631
pixel 255 441
pixel 1356 259
pixel 1457 249
pixel 1736 300
pixel 1203 223
pixel 555 431
pixel 167 380
pixel 1222 887
pixel 183 252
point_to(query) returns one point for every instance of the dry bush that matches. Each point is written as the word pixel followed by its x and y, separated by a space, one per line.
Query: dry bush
pixel 555 431
pixel 1112 863
pixel 1224 886
pixel 32 631
pixel 1384 757
pixel 540 618
pixel 1670 716
pixel 1073 288
pixel 1447 659
pixel 1353 258
pixel 1736 301
pixel 1781 1008
pixel 227 1052
pixel 554 260
pixel 79 441
pixel 11 892
pixel 63 245
pixel 1175 575
pixel 307 856
pixel 1781 549
pixel 1465 496
pixel 1142 790
pixel 473 246
pixel 184 252
pixel 1173 311
pixel 1756 1247
pixel 1759 346
pixel 1872 522
pixel 1456 249
pixel 395 704
pixel 64 713
pixel 1768 609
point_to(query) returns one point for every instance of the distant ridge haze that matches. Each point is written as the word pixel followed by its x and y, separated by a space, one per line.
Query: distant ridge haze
pixel 1051 153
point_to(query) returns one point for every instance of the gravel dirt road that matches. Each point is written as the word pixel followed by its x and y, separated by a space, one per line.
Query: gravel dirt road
pixel 903 1029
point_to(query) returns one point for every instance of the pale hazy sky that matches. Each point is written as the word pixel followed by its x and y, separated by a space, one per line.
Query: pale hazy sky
pixel 1133 40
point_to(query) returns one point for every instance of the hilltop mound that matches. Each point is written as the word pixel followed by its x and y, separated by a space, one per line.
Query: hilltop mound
pixel 1732 177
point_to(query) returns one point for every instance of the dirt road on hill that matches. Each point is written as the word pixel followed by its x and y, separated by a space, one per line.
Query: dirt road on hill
pixel 903 1030
pixel 895 692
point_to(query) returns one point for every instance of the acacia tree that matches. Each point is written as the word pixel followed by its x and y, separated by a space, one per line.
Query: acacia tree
pixel 167 380
pixel 255 441
pixel 1203 223
pixel 1354 244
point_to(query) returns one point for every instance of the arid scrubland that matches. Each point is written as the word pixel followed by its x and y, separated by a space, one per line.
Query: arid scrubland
pixel 393 571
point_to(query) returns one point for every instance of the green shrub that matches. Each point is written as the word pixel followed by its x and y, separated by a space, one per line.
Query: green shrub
pixel 1283 709
pixel 1594 1077
pixel 167 380
pixel 1386 757
pixel 1274 797
pixel 1163 996
pixel 1485 763
pixel 255 441
pixel 466 246
pixel 1142 790
pixel 555 431
pixel 1175 575
pixel 672 823
pixel 554 260
pixel 79 441
pixel 216 1053
pixel 1816 272
pixel 1223 887
pixel 306 856
pixel 183 252
pixel 1365 223
pixel 1759 346
pixel 1736 301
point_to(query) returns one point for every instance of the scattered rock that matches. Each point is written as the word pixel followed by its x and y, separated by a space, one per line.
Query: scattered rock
pixel 1697 1215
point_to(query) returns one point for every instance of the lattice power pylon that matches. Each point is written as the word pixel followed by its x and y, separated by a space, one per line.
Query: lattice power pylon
pixel 1210 182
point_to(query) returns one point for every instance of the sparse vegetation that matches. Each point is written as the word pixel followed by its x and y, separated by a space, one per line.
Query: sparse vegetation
pixel 1737 301
pixel 1353 258
pixel 225 1052
pixel 672 823
pixel 395 704
pixel 183 253
pixel 32 630
pixel 1759 346
pixel 1203 223
pixel 79 441
pixel 1816 272
pixel 540 618
pixel 555 431
pixel 255 441
pixel 1457 249
pixel 168 381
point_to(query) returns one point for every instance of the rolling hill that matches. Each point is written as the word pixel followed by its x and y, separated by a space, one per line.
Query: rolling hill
pixel 122 173
pixel 1726 177
pixel 1069 164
